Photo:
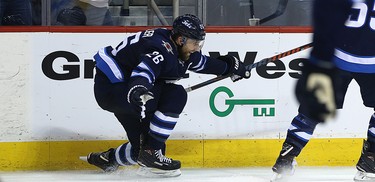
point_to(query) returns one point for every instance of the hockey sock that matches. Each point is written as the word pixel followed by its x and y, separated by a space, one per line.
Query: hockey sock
pixel 299 133
pixel 125 155
pixel 161 126
pixel 371 133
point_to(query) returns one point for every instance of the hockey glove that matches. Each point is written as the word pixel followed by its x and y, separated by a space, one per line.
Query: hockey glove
pixel 137 97
pixel 235 67
pixel 13 20
pixel 74 16
pixel 316 90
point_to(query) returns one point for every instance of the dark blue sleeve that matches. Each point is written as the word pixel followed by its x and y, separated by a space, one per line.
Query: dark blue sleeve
pixel 329 18
pixel 207 65
pixel 148 70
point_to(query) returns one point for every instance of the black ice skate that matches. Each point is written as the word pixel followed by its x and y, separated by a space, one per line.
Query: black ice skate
pixel 285 163
pixel 366 164
pixel 104 160
pixel 154 163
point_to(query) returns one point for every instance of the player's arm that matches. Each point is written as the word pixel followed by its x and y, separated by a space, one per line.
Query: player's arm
pixel 223 65
pixel 143 78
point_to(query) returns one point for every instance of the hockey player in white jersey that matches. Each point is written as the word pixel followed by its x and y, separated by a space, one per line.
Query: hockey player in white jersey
pixel 344 49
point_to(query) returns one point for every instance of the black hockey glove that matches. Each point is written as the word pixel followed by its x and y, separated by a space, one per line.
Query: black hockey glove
pixel 74 16
pixel 13 20
pixel 137 96
pixel 235 67
pixel 316 90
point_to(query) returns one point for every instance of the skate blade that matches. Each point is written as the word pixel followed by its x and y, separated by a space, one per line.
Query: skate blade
pixel 281 177
pixel 83 158
pixel 153 172
pixel 276 177
pixel 363 176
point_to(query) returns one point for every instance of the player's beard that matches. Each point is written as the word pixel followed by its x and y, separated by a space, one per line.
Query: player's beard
pixel 182 54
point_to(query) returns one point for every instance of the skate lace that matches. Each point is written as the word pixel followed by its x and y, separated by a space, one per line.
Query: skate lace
pixel 161 157
pixel 104 156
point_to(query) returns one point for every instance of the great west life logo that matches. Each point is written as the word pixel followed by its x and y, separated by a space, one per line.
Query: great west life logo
pixel 71 67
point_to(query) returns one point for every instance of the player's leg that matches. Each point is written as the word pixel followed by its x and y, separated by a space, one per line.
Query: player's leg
pixel 136 129
pixel 171 103
pixel 299 133
pixel 127 153
pixel 366 164
pixel 111 97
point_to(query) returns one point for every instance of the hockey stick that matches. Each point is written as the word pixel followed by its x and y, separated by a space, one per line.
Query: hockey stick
pixel 279 11
pixel 249 67
pixel 252 13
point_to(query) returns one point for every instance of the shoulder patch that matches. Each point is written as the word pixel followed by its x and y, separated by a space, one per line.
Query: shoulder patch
pixel 167 46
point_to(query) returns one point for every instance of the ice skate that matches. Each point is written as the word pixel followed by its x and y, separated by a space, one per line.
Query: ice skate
pixel 154 164
pixel 104 160
pixel 366 164
pixel 285 164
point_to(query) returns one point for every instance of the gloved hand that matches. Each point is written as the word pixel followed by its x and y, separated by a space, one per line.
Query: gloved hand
pixel 13 20
pixel 73 16
pixel 137 96
pixel 316 90
pixel 236 68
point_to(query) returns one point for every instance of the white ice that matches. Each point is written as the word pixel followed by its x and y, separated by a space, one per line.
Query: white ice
pixel 304 174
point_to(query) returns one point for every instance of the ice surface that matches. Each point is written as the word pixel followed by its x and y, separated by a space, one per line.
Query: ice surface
pixel 303 174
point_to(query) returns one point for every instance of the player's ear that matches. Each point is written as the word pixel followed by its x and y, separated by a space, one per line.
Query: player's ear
pixel 181 40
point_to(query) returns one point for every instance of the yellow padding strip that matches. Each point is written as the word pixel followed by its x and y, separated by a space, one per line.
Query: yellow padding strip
pixel 64 155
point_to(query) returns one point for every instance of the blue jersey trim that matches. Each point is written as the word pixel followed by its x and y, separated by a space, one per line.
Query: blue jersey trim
pixel 352 67
pixel 102 63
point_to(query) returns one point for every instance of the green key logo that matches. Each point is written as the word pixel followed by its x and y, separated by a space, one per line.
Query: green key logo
pixel 257 111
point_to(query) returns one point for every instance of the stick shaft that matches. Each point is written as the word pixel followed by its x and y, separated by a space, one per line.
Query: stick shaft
pixel 249 67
